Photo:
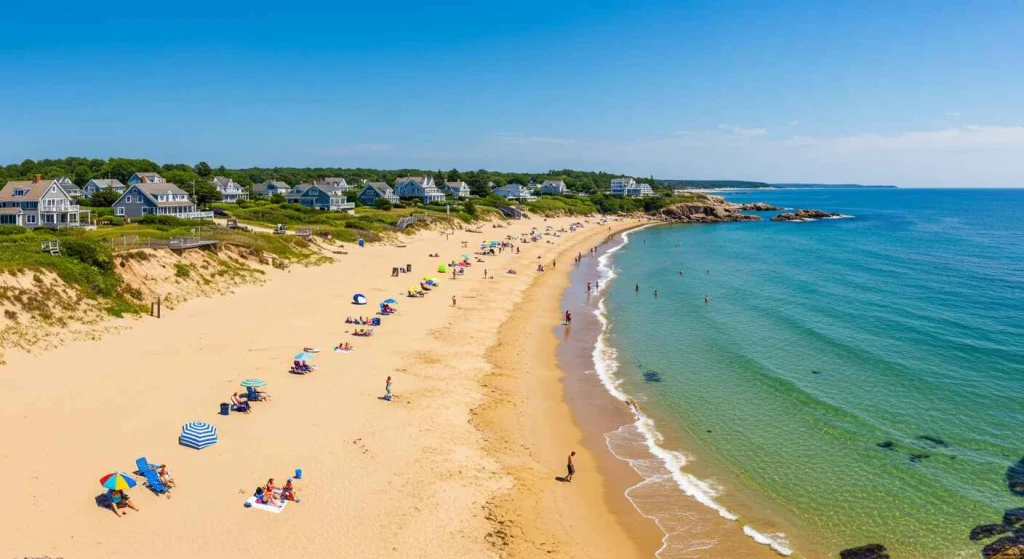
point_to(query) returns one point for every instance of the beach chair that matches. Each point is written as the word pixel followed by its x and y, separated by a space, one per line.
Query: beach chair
pixel 152 479
pixel 253 395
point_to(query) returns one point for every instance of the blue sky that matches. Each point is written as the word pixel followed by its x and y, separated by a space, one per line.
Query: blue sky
pixel 908 93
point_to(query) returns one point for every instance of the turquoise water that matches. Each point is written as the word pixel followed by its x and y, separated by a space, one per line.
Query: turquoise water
pixel 903 324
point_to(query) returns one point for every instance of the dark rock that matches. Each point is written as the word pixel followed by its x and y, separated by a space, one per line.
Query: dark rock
pixel 888 445
pixel 1010 547
pixel 815 372
pixel 918 457
pixel 1013 517
pixel 652 376
pixel 1015 478
pixel 870 551
pixel 804 214
pixel 935 441
pixel 986 531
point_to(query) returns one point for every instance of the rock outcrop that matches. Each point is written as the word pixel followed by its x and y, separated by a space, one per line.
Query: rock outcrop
pixel 801 215
pixel 1010 547
pixel 986 531
pixel 870 551
pixel 704 213
pixel 758 207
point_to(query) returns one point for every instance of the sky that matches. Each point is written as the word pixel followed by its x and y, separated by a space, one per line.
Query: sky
pixel 905 93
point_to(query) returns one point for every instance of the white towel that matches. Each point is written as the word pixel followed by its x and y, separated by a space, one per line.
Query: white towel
pixel 268 508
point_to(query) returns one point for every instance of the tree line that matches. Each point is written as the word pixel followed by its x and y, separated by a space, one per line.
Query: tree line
pixel 198 176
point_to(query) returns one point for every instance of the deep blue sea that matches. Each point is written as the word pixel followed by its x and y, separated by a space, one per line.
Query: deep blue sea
pixel 848 381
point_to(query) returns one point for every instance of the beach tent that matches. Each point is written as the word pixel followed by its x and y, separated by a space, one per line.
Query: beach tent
pixel 198 435
pixel 391 302
pixel 359 299
pixel 442 268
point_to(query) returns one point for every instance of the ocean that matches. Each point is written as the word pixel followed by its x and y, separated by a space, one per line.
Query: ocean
pixel 848 381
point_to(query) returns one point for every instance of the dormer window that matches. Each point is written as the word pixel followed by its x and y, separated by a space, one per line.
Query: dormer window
pixel 20 192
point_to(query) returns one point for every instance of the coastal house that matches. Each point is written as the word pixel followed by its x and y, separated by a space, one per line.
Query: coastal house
pixel 39 203
pixel 320 197
pixel 373 191
pixel 69 186
pixel 157 198
pixel 515 191
pixel 555 187
pixel 629 188
pixel 455 189
pixel 418 187
pixel 145 177
pixel 99 185
pixel 230 190
pixel 271 188
pixel 336 183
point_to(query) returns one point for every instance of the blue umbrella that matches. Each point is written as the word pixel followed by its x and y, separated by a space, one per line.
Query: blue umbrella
pixel 390 302
pixel 359 299
pixel 198 435
pixel 303 356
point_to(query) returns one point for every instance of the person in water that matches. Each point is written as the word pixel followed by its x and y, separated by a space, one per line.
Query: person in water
pixel 706 298
pixel 655 293
pixel 637 288
pixel 568 316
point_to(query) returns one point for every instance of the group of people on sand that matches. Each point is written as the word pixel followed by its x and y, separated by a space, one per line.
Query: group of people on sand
pixel 117 499
pixel 363 332
pixel 244 403
pixel 270 494
pixel 361 320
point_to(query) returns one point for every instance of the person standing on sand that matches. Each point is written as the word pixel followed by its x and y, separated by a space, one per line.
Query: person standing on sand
pixel 454 304
pixel 387 389
pixel 588 287
pixel 485 273
pixel 570 467
pixel 568 317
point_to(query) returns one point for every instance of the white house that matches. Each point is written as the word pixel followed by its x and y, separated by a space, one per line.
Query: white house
pixel 145 177
pixel 556 187
pixel 455 189
pixel 418 187
pixel 336 183
pixel 39 203
pixel 230 190
pixel 99 185
pixel 628 188
pixel 515 191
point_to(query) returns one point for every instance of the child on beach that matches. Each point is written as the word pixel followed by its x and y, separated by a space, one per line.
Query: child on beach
pixel 387 389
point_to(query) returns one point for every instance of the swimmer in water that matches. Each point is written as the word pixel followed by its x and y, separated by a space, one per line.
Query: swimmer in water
pixel 637 288
pixel 655 292
pixel 706 299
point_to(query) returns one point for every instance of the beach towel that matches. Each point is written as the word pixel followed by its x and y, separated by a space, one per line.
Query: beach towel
pixel 336 350
pixel 251 502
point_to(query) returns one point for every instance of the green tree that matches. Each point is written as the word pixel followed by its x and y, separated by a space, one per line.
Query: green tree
pixel 203 169
pixel 382 204
pixel 206 193
pixel 278 198
pixel 454 175
pixel 103 198
pixel 470 208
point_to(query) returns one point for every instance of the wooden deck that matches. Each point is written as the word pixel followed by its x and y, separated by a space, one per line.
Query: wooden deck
pixel 182 243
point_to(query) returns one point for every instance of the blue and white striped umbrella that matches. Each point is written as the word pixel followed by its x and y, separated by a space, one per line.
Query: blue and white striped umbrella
pixel 198 435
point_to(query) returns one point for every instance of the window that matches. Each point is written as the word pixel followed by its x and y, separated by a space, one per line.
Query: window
pixel 119 210
pixel 30 219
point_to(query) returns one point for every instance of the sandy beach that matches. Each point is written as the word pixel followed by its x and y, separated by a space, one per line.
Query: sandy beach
pixel 444 469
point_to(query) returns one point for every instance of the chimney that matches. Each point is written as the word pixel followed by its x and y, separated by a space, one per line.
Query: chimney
pixel 144 178
pixel 39 178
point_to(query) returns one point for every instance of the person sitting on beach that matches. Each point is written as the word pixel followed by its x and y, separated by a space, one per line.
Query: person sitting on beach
pixel 261 395
pixel 240 404
pixel 165 476
pixel 119 500
pixel 288 491
pixel 265 497
pixel 311 349
pixel 305 367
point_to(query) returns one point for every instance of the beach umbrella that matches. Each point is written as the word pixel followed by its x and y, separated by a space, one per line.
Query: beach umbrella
pixel 465 256
pixel 253 382
pixel 442 268
pixel 116 481
pixel 303 356
pixel 359 299
pixel 198 435
pixel 391 302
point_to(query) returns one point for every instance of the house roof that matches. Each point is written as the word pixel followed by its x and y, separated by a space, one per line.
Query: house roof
pixel 456 184
pixel 382 188
pixel 332 180
pixel 420 180
pixel 153 189
pixel 109 183
pixel 278 184
pixel 35 189
pixel 149 175
pixel 10 211
pixel 222 181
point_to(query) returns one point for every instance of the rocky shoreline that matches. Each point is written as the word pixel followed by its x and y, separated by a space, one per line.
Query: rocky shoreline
pixel 801 215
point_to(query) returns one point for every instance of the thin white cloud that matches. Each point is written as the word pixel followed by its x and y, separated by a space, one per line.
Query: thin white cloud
pixel 525 139
pixel 744 132
pixel 792 123
pixel 953 114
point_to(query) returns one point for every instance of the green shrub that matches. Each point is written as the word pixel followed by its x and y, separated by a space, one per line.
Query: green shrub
pixel 6 230
pixel 93 253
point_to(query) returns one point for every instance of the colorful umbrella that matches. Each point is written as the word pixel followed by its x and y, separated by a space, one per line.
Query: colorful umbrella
pixel 116 481
pixel 303 356
pixel 254 382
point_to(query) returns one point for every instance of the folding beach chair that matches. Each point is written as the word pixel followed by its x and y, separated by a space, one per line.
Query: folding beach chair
pixel 152 479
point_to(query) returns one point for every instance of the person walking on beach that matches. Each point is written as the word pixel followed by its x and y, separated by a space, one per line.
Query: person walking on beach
pixel 570 467
pixel 454 303
pixel 568 317
pixel 485 273
pixel 588 287
pixel 387 390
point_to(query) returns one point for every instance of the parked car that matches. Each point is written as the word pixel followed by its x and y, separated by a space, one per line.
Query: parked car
pixel 280 229
pixel 219 212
